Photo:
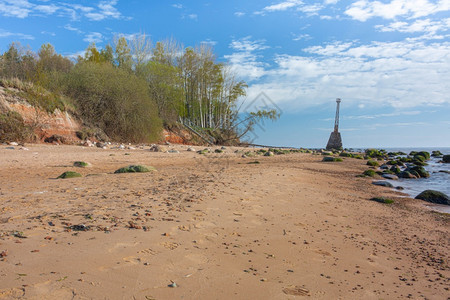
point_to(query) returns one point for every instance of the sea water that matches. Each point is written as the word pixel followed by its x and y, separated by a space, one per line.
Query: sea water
pixel 438 181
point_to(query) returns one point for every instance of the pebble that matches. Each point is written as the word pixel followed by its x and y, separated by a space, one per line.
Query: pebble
pixel 173 285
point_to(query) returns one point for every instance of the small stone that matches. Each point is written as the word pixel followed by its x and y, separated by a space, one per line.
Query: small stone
pixel 382 183
pixel 173 285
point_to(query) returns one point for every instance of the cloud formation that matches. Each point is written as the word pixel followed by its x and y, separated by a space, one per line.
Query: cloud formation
pixel 25 8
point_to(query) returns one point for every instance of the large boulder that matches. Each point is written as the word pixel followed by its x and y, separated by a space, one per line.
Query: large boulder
pixel 382 183
pixel 434 197
pixel 446 159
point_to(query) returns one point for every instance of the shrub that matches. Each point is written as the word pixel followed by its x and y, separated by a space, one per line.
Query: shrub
pixel 12 127
pixel 114 100
pixel 345 154
pixel 80 164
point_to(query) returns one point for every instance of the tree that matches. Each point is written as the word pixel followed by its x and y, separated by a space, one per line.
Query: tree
pixel 123 56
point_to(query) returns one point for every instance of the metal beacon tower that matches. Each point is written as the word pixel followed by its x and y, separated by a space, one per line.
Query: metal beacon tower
pixel 335 141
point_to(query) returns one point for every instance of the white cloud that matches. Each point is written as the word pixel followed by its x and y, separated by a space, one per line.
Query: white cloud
pixel 283 5
pixel 193 16
pixel 239 14
pixel 177 5
pixel 247 45
pixel 362 10
pixel 15 8
pixel 299 37
pixel 71 28
pixel 245 62
pixel 93 37
pixel 398 74
pixel 5 33
pixel 209 42
pixel 418 26
pixel 24 8
pixel 327 2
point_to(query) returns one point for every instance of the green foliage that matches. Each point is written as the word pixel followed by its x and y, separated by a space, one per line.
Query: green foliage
pixel 375 153
pixel 372 163
pixel 383 200
pixel 69 174
pixel 165 86
pixel 12 128
pixel 135 169
pixel 115 101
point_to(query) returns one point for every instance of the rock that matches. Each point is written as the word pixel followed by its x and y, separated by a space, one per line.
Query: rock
pixel 444 171
pixel 81 164
pixel 101 145
pixel 370 173
pixel 372 163
pixel 55 139
pixel 156 148
pixel 88 143
pixel 382 183
pixel 190 149
pixel 331 159
pixel 122 147
pixel 10 148
pixel 406 175
pixel 135 169
pixel 446 159
pixel 24 148
pixel 382 200
pixel 421 172
pixel 218 151
pixel 434 197
pixel 400 188
pixel 173 151
pixel 384 167
pixel 173 285
pixel 390 176
pixel 14 144
pixel 69 174
pixel 436 153
pixel 268 153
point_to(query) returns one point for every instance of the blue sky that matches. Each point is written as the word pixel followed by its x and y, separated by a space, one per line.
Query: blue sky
pixel 388 60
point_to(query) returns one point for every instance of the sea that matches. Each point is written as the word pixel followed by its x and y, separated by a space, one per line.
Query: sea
pixel 439 181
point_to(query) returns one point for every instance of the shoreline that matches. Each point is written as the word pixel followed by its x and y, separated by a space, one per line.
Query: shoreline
pixel 218 225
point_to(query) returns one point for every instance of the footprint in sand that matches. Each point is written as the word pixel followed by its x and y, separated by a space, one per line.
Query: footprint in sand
pixel 118 246
pixel 148 252
pixel 170 245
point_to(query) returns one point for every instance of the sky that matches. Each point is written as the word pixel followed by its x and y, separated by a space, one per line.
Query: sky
pixel 388 60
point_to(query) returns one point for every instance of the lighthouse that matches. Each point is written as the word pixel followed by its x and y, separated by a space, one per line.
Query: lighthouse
pixel 335 141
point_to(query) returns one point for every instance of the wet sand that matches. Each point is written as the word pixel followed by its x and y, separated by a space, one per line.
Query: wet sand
pixel 211 226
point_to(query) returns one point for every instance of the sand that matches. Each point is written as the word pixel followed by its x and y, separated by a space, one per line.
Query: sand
pixel 210 227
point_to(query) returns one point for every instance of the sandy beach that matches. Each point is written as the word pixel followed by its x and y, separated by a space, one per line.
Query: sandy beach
pixel 210 227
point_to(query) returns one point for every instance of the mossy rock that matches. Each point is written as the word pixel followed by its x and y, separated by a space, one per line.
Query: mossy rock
pixel 436 153
pixel 69 174
pixel 434 197
pixel 372 163
pixel 395 169
pixel 358 156
pixel 253 162
pixel 332 159
pixel 382 200
pixel 420 171
pixel 81 164
pixel 370 173
pixel 446 159
pixel 327 153
pixel 135 169
pixel 345 154
pixel 218 151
